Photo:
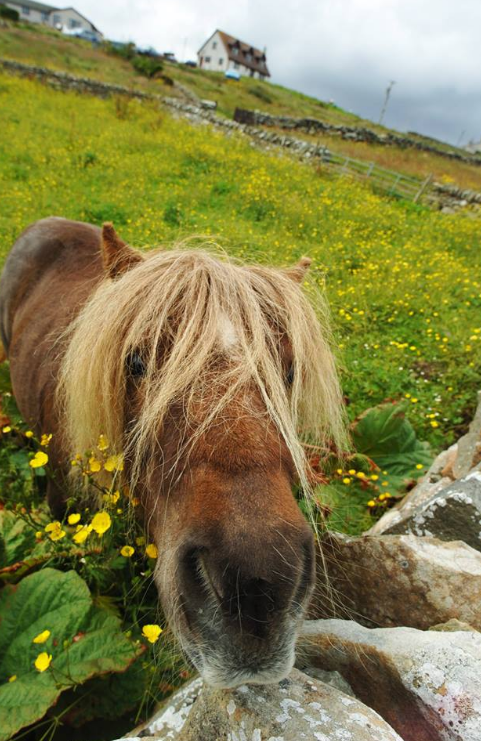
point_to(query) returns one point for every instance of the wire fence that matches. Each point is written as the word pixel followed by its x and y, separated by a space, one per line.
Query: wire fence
pixel 390 182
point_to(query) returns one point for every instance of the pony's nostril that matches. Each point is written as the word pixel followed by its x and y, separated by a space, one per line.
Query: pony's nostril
pixel 250 604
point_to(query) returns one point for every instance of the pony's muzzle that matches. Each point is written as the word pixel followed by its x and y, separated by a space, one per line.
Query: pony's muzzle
pixel 242 614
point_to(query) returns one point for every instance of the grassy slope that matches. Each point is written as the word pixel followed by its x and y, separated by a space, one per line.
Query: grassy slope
pixel 36 45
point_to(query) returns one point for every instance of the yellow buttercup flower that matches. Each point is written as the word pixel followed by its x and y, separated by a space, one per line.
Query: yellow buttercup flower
pixel 83 532
pixel 151 632
pixel 42 662
pixel 152 551
pixel 127 551
pixel 101 522
pixel 114 463
pixel 6 429
pixel 29 433
pixel 74 518
pixel 54 530
pixel 94 465
pixel 45 439
pixel 42 637
pixel 40 459
pixel 12 678
pixel 103 443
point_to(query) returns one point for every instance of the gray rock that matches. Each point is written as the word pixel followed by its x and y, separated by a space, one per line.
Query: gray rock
pixel 438 477
pixel 426 685
pixel 297 709
pixel 394 580
pixel 454 513
pixel 469 446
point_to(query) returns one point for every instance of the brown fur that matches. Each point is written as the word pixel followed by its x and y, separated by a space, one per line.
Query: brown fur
pixel 233 361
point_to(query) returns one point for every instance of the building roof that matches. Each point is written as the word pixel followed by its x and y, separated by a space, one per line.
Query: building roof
pixel 33 5
pixel 41 7
pixel 247 55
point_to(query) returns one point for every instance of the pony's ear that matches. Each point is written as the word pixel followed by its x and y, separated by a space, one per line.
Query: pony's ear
pixel 298 272
pixel 118 257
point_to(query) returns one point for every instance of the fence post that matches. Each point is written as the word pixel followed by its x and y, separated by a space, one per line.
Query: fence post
pixel 423 187
pixel 370 169
pixel 392 189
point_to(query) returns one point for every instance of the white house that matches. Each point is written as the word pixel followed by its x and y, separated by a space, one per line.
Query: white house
pixel 222 52
pixel 64 19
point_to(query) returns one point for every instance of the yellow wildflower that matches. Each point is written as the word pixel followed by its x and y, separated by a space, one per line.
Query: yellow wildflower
pixel 151 550
pixel 371 503
pixel 74 518
pixel 38 534
pixel 433 423
pixel 114 463
pixel 42 661
pixel 45 439
pixel 103 443
pixel 346 481
pixel 94 465
pixel 151 632
pixel 127 551
pixel 42 637
pixel 101 522
pixel 12 678
pixel 39 459
pixel 419 466
pixel 140 540
pixel 54 530
pixel 29 433
pixel 374 477
pixel 6 429
pixel 83 531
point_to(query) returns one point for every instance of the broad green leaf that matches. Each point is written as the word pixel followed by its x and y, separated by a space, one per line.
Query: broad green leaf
pixel 84 642
pixel 18 537
pixel 388 438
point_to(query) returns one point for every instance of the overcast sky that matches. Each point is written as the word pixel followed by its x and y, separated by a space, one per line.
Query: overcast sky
pixel 344 50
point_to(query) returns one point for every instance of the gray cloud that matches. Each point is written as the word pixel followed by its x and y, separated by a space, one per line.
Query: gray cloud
pixel 345 50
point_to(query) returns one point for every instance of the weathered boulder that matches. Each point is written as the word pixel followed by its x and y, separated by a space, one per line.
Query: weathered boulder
pixel 438 477
pixel 469 446
pixel 425 684
pixel 394 580
pixel 297 709
pixel 461 461
pixel 454 513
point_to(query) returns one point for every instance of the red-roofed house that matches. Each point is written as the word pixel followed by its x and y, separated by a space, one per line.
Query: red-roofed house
pixel 222 52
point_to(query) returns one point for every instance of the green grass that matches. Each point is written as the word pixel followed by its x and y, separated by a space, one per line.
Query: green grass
pixel 402 281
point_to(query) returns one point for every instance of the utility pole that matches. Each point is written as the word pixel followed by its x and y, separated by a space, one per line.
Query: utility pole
pixel 461 137
pixel 386 100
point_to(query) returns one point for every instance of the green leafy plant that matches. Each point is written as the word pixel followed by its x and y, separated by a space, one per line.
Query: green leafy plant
pixel 52 637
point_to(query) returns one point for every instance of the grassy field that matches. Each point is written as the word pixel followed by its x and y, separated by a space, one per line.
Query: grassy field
pixel 403 282
pixel 404 288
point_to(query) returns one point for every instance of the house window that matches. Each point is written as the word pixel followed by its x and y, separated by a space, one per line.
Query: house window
pixel 72 23
pixel 207 59
pixel 236 66
pixel 25 10
pixel 44 16
pixel 248 57
pixel 56 19
pixel 221 60
pixel 235 51
pixel 214 44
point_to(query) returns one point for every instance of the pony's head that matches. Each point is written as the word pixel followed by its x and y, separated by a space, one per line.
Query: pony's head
pixel 206 374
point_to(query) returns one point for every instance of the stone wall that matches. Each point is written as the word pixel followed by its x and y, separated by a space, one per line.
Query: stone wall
pixel 448 197
pixel 352 133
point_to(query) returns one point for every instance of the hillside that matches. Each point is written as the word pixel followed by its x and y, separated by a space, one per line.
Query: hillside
pixel 46 47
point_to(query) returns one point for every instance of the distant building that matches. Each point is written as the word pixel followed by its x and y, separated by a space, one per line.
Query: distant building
pixel 63 19
pixel 473 147
pixel 222 52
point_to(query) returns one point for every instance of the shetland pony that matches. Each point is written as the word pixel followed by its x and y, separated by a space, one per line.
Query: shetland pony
pixel 202 372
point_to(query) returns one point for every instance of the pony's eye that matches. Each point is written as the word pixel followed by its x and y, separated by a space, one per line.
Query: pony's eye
pixel 290 376
pixel 135 365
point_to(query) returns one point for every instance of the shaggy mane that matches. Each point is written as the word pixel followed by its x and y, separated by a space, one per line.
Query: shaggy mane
pixel 181 297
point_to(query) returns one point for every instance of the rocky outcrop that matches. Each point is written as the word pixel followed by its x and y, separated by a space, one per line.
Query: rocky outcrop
pixel 352 133
pixel 396 580
pixel 425 684
pixel 299 708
